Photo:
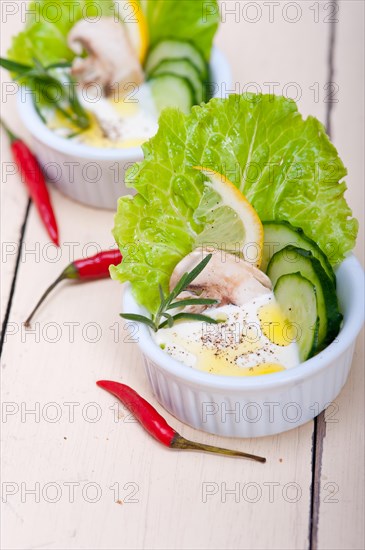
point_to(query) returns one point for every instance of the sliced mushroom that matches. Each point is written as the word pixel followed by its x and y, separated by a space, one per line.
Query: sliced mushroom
pixel 226 278
pixel 111 61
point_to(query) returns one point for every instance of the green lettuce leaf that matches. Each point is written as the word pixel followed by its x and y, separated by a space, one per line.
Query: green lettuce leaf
pixel 49 21
pixel 42 41
pixel 47 26
pixel 193 20
pixel 286 166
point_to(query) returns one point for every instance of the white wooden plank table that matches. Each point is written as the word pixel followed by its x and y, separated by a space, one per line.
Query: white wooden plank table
pixel 76 471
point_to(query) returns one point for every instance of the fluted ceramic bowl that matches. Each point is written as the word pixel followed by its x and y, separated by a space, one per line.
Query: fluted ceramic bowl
pixel 261 405
pixel 91 175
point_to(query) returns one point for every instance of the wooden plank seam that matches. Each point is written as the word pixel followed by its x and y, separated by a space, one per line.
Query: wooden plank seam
pixel 15 276
pixel 319 430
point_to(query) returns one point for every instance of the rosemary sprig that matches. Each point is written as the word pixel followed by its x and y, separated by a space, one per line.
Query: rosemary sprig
pixel 162 318
pixel 49 89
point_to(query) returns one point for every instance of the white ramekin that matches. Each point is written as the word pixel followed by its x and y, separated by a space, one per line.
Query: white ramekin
pixel 92 175
pixel 262 405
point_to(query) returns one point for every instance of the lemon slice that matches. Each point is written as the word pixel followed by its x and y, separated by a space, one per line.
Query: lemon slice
pixel 230 222
pixel 131 13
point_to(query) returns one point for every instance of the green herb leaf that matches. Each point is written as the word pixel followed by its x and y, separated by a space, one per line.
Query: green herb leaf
pixel 197 270
pixel 180 286
pixel 193 302
pixel 48 89
pixel 75 134
pixel 39 111
pixel 166 304
pixel 13 66
pixel 170 319
pixel 139 319
pixel 188 278
pixel 162 297
pixel 82 118
pixel 192 317
pixel 59 65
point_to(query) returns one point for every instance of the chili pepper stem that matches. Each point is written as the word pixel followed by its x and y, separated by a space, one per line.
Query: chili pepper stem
pixel 180 442
pixel 62 277
pixel 11 135
pixel 156 425
pixel 86 269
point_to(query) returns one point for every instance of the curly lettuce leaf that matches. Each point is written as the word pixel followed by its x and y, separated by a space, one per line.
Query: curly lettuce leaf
pixel 193 20
pixel 48 23
pixel 286 166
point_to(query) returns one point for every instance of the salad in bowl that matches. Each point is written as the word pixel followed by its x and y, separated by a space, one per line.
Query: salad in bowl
pixel 96 75
pixel 236 249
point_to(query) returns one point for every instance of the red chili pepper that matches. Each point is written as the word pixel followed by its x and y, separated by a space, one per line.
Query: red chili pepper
pixel 157 426
pixel 87 269
pixel 33 177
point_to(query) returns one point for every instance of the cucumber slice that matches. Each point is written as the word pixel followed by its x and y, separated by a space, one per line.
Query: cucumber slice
pixel 182 67
pixel 170 90
pixel 297 298
pixel 277 235
pixel 292 260
pixel 176 49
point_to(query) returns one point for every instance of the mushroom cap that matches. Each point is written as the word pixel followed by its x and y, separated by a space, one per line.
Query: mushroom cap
pixel 227 278
pixel 111 60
